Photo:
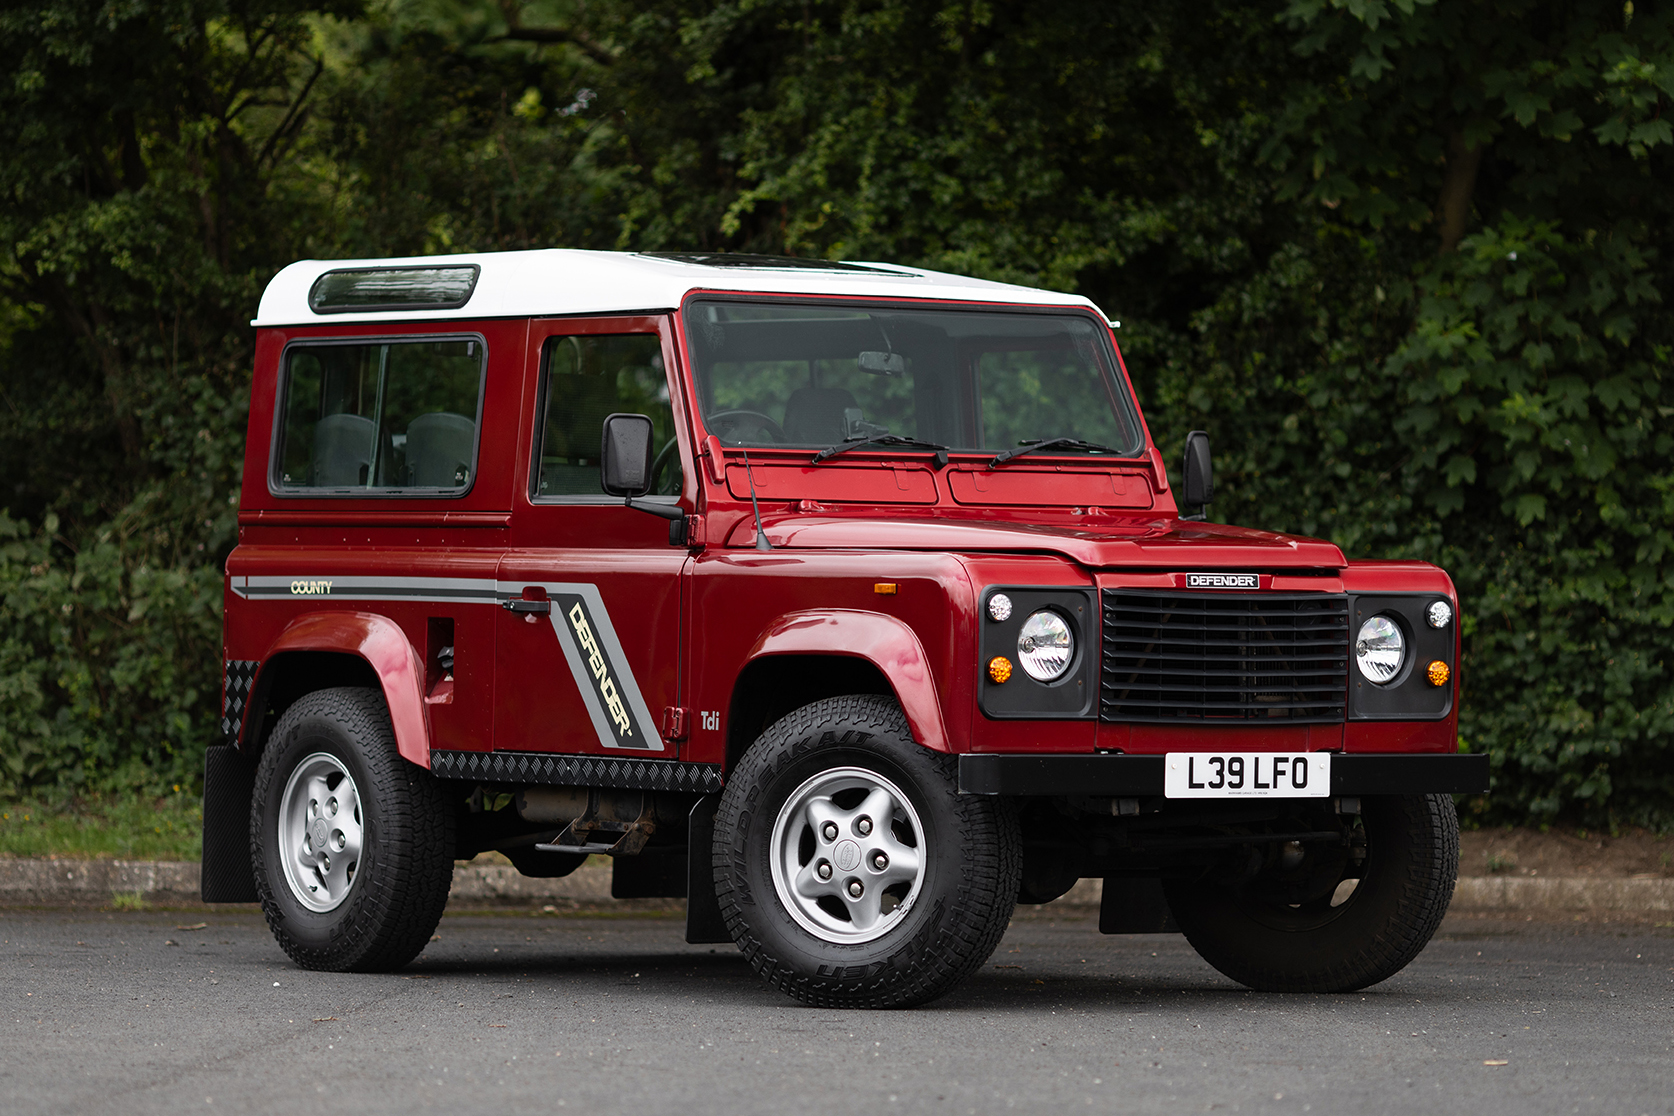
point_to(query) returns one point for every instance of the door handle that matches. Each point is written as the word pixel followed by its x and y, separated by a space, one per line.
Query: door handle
pixel 527 608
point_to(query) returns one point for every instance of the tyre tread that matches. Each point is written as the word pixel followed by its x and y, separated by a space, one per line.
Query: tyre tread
pixel 396 907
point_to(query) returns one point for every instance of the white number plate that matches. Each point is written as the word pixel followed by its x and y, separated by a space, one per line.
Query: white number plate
pixel 1247 775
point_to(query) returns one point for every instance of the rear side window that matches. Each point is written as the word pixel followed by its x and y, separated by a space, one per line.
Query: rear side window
pixel 585 378
pixel 396 417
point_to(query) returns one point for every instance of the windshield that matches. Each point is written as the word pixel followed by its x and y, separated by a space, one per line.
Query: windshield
pixel 815 376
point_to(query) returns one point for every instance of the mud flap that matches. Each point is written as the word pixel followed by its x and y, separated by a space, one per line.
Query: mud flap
pixel 704 924
pixel 1135 906
pixel 228 781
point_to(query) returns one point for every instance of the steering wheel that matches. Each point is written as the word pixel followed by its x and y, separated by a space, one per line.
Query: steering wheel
pixel 726 420
pixel 669 485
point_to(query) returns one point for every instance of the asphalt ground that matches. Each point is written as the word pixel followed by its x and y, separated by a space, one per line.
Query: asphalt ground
pixel 140 1013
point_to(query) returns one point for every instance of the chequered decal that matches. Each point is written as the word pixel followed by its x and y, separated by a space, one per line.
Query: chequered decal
pixel 586 771
pixel 235 694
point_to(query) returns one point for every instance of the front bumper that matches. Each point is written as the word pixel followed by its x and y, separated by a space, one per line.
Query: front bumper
pixel 1125 776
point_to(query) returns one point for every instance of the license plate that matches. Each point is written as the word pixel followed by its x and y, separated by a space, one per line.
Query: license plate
pixel 1247 775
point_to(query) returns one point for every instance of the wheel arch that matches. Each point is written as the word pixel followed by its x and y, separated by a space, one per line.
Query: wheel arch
pixel 327 649
pixel 819 653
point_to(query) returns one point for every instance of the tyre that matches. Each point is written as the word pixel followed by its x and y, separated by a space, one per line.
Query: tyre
pixel 1403 858
pixel 850 871
pixel 352 845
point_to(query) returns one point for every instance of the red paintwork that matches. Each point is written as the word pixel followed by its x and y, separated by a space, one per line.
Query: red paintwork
pixel 386 649
pixel 884 641
pixel 1020 487
pixel 691 620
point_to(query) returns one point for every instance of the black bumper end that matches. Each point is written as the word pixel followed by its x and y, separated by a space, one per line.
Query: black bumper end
pixel 1122 776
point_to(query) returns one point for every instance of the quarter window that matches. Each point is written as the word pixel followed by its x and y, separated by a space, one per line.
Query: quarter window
pixel 585 377
pixel 385 417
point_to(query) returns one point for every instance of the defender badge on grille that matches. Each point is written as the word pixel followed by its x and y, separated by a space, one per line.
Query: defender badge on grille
pixel 1222 581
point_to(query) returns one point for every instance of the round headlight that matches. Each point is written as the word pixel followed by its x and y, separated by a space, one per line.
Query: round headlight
pixel 1380 649
pixel 1045 646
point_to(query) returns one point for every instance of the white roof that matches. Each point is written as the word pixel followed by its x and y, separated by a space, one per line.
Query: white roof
pixel 572 281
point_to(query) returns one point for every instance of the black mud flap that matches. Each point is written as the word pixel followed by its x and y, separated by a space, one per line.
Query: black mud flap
pixel 228 782
pixel 704 924
pixel 1135 906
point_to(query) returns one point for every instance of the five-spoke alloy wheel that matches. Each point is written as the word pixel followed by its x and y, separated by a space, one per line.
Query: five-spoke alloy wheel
pixel 320 825
pixel 846 863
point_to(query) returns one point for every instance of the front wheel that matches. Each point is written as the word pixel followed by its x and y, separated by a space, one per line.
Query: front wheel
pixel 352 846
pixel 849 869
pixel 1335 920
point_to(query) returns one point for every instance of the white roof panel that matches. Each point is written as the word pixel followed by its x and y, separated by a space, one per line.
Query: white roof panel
pixel 572 281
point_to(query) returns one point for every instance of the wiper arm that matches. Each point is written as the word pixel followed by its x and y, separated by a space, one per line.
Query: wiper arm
pixel 882 440
pixel 1050 443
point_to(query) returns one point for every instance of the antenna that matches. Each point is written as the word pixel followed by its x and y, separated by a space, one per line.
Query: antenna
pixel 761 534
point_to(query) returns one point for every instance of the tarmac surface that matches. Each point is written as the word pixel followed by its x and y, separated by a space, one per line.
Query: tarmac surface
pixel 144 1012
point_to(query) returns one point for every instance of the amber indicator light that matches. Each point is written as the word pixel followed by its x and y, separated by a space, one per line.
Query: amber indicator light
pixel 1437 673
pixel 884 588
pixel 999 668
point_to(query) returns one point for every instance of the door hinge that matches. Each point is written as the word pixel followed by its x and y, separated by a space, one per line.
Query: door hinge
pixel 674 722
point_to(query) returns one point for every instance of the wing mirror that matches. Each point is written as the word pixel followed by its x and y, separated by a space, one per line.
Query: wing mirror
pixel 1199 487
pixel 625 455
pixel 625 460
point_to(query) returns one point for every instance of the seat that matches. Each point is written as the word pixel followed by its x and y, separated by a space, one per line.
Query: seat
pixel 815 415
pixel 439 449
pixel 342 451
pixel 576 410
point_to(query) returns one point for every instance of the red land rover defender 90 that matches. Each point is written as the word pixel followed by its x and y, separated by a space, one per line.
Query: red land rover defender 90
pixel 850 602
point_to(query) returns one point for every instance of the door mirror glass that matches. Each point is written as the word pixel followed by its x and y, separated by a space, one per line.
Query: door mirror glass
pixel 625 455
pixel 1200 474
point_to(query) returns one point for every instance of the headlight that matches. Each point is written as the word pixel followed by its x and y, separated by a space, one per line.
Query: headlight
pixel 1045 646
pixel 1380 649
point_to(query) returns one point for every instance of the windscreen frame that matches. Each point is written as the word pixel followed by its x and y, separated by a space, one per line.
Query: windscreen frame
pixel 1118 387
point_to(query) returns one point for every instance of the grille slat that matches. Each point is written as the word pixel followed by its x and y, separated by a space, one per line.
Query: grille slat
pixel 1171 657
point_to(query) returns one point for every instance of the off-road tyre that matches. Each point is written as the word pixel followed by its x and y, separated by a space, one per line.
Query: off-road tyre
pixel 972 860
pixel 1412 861
pixel 405 868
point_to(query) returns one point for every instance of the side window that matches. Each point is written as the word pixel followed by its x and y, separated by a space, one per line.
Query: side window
pixel 386 417
pixel 583 379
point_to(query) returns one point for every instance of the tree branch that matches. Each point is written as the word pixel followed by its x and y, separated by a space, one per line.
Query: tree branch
pixel 1453 207
pixel 516 32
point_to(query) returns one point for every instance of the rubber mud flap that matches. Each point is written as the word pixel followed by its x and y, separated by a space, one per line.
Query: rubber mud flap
pixel 228 876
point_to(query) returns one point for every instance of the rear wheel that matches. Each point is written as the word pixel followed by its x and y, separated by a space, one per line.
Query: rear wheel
pixel 1331 919
pixel 849 869
pixel 352 845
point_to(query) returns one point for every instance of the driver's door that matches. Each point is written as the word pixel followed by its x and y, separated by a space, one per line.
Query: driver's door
pixel 588 654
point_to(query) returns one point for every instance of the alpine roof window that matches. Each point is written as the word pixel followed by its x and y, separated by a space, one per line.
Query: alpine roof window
pixel 363 289
pixel 397 417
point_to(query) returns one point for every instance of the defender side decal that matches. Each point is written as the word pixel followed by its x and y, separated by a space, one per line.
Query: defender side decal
pixel 608 689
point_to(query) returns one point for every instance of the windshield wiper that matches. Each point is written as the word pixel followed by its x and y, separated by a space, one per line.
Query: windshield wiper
pixel 1050 443
pixel 882 440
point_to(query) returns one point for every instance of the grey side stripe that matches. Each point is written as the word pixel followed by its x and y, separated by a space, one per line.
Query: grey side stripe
pixel 608 688
pixel 448 590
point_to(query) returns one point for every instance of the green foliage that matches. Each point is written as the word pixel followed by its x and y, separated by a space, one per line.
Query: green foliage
pixel 1403 259
pixel 167 825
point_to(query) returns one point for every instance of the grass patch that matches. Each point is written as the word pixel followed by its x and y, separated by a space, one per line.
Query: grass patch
pixel 125 827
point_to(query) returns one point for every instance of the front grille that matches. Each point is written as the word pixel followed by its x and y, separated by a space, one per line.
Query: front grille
pixel 1224 657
